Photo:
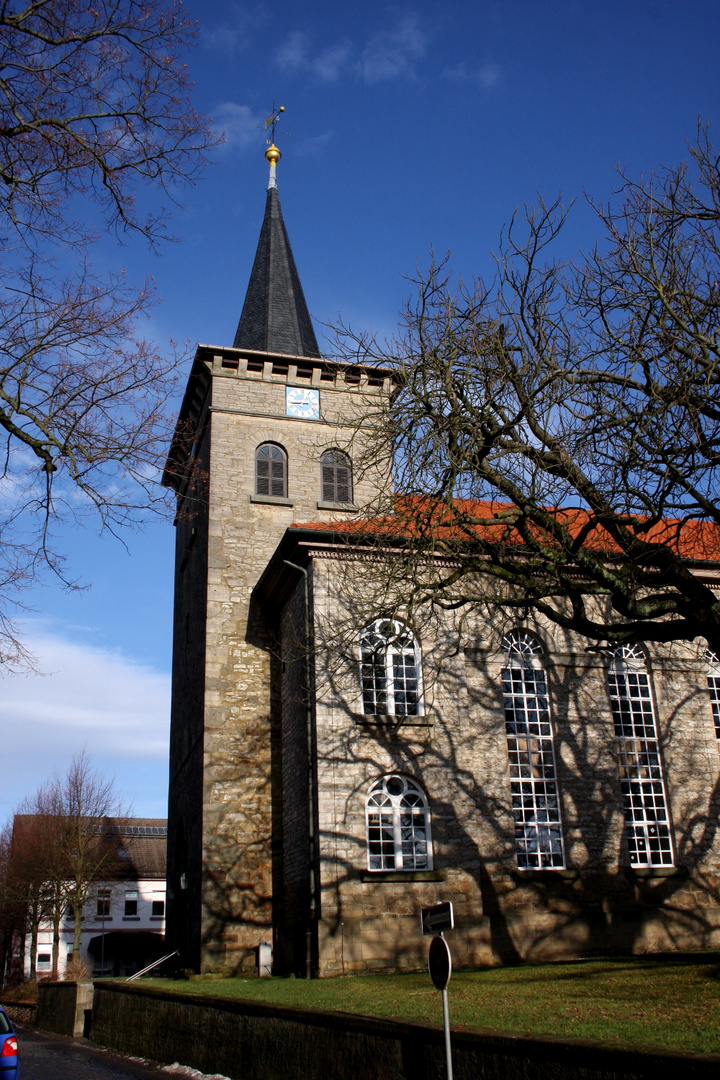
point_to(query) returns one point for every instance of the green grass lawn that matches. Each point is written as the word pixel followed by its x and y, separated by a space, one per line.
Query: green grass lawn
pixel 665 1001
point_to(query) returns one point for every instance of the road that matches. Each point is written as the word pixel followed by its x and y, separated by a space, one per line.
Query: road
pixel 44 1056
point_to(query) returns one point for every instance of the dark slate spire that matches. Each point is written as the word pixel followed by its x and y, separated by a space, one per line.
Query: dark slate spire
pixel 275 318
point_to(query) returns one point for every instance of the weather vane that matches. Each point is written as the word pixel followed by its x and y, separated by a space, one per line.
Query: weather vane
pixel 272 122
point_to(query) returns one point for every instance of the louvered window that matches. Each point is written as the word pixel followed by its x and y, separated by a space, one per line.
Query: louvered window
pixel 641 771
pixel 531 753
pixel 336 477
pixel 271 471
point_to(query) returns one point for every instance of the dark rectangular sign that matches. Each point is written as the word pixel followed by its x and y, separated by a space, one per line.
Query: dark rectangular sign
pixel 437 918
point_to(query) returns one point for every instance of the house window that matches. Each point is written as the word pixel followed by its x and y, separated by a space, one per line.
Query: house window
pixel 390 670
pixel 533 780
pixel 336 477
pixel 43 961
pixel 713 678
pixel 103 904
pixel 398 825
pixel 271 471
pixel 158 909
pixel 641 772
pixel 131 905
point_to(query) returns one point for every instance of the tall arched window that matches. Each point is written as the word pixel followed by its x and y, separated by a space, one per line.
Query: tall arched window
pixel 271 470
pixel 533 780
pixel 398 825
pixel 336 477
pixel 390 670
pixel 641 773
pixel 713 678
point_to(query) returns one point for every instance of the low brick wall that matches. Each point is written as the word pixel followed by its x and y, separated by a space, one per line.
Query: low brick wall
pixel 62 1006
pixel 245 1040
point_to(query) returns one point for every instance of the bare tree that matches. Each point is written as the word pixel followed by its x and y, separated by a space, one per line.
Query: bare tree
pixel 555 436
pixel 95 114
pixel 62 846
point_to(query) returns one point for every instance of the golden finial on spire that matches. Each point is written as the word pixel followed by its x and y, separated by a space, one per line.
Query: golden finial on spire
pixel 272 153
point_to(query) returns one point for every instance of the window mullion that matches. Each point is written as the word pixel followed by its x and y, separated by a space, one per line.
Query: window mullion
pixel 397 838
pixel 390 680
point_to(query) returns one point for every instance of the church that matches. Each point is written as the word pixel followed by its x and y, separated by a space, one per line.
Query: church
pixel 325 787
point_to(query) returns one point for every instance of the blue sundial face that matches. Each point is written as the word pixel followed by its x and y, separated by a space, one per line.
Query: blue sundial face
pixel 302 402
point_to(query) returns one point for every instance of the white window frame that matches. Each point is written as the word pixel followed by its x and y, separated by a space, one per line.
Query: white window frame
pixel 534 789
pixel 713 680
pixel 390 670
pixel 397 825
pixel 642 779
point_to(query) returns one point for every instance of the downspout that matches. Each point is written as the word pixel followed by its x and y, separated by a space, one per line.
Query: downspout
pixel 312 831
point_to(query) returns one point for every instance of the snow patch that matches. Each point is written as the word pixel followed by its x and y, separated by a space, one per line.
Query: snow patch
pixel 182 1070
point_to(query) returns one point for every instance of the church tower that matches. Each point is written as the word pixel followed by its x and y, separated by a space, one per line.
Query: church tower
pixel 257 448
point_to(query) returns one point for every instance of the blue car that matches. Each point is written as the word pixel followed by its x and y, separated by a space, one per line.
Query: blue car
pixel 9 1064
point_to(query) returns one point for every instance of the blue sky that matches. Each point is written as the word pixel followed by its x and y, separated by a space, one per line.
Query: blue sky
pixel 409 126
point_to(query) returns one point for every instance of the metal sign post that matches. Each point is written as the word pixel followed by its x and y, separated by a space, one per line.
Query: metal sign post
pixel 435 919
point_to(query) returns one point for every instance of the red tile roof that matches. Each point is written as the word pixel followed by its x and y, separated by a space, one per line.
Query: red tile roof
pixel 470 519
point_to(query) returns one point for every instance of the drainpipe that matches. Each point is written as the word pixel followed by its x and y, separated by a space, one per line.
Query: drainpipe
pixel 312 832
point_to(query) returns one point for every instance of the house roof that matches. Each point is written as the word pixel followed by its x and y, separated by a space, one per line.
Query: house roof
pixel 275 316
pixel 136 847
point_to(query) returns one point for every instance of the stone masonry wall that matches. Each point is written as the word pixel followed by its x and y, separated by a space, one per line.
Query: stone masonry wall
pixel 247 409
pixel 597 903
pixel 291 944
pixel 185 811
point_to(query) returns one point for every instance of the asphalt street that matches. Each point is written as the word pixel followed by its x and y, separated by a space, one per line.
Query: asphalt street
pixel 44 1056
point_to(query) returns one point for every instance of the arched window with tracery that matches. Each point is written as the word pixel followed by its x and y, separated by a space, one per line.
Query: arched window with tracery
pixel 390 670
pixel 531 752
pixel 641 773
pixel 397 816
pixel 271 471
pixel 713 677
pixel 336 477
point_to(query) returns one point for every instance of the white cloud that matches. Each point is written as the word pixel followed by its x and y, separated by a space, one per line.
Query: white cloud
pixel 237 124
pixel 116 707
pixel 293 53
pixel 392 54
pixel 236 32
pixel 310 147
pixel 388 54
pixel 294 56
pixel 488 75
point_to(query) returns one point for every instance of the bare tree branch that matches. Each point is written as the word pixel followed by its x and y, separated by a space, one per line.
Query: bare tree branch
pixel 555 438
pixel 95 115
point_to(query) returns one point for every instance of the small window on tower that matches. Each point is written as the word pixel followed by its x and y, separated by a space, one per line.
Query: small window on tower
pixel 336 477
pixel 271 471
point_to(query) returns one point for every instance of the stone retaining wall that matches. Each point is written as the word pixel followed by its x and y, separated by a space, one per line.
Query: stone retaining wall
pixel 62 1007
pixel 245 1040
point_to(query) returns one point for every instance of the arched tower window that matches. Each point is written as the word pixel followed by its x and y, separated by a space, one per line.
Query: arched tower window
pixel 641 772
pixel 271 470
pixel 336 477
pixel 713 678
pixel 398 825
pixel 531 753
pixel 390 670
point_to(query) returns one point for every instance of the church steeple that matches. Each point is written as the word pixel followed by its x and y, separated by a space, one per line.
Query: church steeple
pixel 275 317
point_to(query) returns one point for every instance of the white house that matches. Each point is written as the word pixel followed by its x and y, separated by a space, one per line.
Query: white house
pixel 123 922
